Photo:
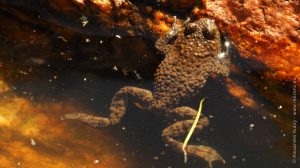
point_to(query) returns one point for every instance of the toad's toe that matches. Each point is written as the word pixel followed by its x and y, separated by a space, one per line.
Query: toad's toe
pixel 206 153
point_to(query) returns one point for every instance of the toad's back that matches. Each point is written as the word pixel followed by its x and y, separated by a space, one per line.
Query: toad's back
pixel 190 58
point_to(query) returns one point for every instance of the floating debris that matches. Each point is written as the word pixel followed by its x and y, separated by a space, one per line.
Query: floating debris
pixel 62 38
pixel 137 75
pixel 84 20
pixel 155 157
pixel 251 126
pixel 32 142
pixel 95 58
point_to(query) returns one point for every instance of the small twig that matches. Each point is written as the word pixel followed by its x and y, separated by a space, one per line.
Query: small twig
pixel 188 137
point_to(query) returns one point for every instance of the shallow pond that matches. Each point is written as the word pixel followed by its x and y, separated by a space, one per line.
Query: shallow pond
pixel 50 68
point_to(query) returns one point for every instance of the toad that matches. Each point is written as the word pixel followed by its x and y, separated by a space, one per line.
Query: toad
pixel 192 51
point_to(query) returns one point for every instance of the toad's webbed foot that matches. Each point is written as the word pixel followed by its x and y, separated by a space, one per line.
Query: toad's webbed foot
pixel 208 154
pixel 117 107
pixel 181 128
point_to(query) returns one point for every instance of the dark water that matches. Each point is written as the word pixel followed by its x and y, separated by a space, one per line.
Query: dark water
pixel 52 65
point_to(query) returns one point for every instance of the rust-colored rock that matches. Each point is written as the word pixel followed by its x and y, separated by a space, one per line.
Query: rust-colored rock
pixel 126 16
pixel 267 31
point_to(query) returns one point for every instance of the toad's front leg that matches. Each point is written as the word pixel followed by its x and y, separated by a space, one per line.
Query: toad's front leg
pixel 117 107
pixel 164 43
pixel 181 128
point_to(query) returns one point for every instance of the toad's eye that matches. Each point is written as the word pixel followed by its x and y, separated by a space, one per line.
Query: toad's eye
pixel 208 34
pixel 190 29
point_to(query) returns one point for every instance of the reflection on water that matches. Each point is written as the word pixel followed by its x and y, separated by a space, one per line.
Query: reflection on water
pixel 47 70
pixel 33 135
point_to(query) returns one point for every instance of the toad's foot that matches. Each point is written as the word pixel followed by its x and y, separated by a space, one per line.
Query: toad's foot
pixel 206 153
pixel 117 107
pixel 181 128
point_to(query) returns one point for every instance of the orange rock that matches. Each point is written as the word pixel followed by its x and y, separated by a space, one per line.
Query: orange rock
pixel 266 31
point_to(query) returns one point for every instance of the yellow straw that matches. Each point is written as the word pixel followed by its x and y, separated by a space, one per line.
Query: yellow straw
pixel 188 137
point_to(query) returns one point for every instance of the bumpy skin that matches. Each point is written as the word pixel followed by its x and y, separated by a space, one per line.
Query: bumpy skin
pixel 189 61
pixel 193 52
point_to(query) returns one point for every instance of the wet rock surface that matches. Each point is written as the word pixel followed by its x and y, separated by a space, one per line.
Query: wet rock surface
pixel 265 31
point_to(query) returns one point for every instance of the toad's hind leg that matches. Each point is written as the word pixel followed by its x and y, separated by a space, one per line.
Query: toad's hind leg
pixel 181 128
pixel 117 107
